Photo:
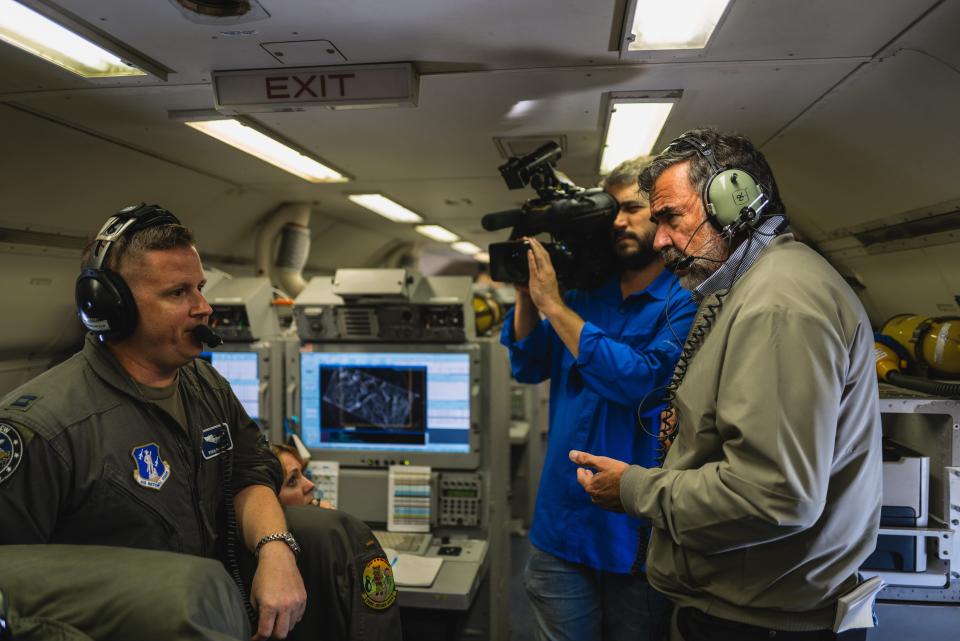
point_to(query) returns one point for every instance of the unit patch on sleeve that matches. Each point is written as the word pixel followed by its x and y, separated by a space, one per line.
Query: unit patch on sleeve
pixel 215 441
pixel 11 451
pixel 377 588
pixel 152 471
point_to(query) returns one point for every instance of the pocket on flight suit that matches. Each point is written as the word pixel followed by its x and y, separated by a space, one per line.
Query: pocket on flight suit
pixel 127 519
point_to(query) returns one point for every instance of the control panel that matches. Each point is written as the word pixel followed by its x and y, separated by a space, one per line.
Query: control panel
pixel 461 496
pixel 231 322
pixel 385 305
pixel 422 323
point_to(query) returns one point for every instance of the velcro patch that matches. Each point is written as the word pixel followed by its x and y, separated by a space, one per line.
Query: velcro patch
pixel 11 451
pixel 152 471
pixel 24 402
pixel 215 440
pixel 377 588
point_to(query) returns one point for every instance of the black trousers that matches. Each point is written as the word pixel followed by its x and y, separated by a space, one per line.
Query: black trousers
pixel 349 596
pixel 695 625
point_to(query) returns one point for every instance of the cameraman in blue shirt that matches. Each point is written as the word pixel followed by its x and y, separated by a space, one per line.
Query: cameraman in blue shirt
pixel 608 352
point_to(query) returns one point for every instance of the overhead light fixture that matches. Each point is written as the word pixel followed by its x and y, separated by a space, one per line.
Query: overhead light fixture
pixel 267 146
pixel 71 47
pixel 465 247
pixel 387 208
pixel 521 108
pixel 672 24
pixel 634 123
pixel 482 257
pixel 438 233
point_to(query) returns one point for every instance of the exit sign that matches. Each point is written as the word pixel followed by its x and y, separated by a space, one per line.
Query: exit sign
pixel 299 88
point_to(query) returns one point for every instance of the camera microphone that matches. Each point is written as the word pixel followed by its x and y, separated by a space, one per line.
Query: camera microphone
pixel 207 336
pixel 501 219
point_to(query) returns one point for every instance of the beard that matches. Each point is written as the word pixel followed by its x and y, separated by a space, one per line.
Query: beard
pixel 707 260
pixel 629 258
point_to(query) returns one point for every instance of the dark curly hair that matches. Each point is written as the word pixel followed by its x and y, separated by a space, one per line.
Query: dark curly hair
pixel 731 150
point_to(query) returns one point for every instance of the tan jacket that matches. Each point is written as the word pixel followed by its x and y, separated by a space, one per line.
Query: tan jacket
pixel 769 499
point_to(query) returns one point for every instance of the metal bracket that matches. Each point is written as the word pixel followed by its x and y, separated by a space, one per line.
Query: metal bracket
pixel 944 536
pixel 954 518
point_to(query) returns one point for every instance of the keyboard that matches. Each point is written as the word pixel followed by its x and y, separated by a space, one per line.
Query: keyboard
pixel 404 542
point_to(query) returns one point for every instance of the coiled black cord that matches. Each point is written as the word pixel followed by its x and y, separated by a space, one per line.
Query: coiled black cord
pixel 231 527
pixel 669 422
pixel 232 535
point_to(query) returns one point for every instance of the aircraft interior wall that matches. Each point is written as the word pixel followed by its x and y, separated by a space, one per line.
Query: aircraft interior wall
pixel 854 103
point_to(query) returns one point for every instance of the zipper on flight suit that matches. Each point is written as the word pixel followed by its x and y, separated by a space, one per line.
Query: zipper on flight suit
pixel 180 437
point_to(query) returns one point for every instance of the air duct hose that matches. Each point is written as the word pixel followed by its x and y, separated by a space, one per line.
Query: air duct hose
pixel 291 258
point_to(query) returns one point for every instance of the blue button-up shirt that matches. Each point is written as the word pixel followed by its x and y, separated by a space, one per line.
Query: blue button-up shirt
pixel 627 354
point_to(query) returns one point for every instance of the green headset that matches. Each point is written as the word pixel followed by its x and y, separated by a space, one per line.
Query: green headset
pixel 732 198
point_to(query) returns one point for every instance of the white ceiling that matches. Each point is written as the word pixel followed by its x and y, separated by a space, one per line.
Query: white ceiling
pixel 854 101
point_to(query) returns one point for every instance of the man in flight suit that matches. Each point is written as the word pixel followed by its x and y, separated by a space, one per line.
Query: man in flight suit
pixel 134 442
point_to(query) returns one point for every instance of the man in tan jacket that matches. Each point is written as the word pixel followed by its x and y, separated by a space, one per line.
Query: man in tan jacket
pixel 769 497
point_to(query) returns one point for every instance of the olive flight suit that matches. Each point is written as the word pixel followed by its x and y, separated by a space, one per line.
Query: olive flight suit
pixel 86 458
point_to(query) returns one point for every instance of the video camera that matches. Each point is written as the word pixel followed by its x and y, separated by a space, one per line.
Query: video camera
pixel 578 220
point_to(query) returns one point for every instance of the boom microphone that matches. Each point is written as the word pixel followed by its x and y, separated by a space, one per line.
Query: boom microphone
pixel 501 219
pixel 207 336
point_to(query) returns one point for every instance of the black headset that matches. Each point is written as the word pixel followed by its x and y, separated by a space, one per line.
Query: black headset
pixel 105 303
pixel 732 198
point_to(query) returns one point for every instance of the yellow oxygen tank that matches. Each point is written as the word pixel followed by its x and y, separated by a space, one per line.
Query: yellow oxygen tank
pixel 487 313
pixel 933 342
pixel 887 361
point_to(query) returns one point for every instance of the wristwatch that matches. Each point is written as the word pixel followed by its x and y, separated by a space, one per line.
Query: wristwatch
pixel 286 537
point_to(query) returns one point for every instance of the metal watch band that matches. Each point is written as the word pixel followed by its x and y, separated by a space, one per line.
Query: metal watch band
pixel 286 537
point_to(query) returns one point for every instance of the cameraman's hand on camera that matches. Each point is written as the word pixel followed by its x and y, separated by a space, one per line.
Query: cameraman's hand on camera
pixel 543 286
pixel 545 294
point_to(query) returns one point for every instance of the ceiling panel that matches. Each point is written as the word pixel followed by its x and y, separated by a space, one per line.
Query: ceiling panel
pixel 919 281
pixel 480 58
pixel 881 144
pixel 63 181
pixel 757 29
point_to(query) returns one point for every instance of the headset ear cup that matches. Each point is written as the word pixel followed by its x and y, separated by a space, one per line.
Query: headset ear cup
pixel 105 303
pixel 727 193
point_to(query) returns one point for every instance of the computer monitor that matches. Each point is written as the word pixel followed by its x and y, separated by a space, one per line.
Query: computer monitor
pixel 242 371
pixel 375 405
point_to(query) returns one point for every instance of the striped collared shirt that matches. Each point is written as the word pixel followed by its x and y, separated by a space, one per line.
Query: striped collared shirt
pixel 740 260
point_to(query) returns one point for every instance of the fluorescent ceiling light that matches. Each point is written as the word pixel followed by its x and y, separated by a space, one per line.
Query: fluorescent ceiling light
pixel 632 130
pixel 466 248
pixel 34 33
pixel 236 134
pixel 385 207
pixel 437 232
pixel 521 108
pixel 674 24
pixel 483 257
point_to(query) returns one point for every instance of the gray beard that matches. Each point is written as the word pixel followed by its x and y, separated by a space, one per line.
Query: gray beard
pixel 697 272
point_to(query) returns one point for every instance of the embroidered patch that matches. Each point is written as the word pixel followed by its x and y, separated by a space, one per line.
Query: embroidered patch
pixel 215 440
pixel 24 402
pixel 152 471
pixel 377 588
pixel 11 451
